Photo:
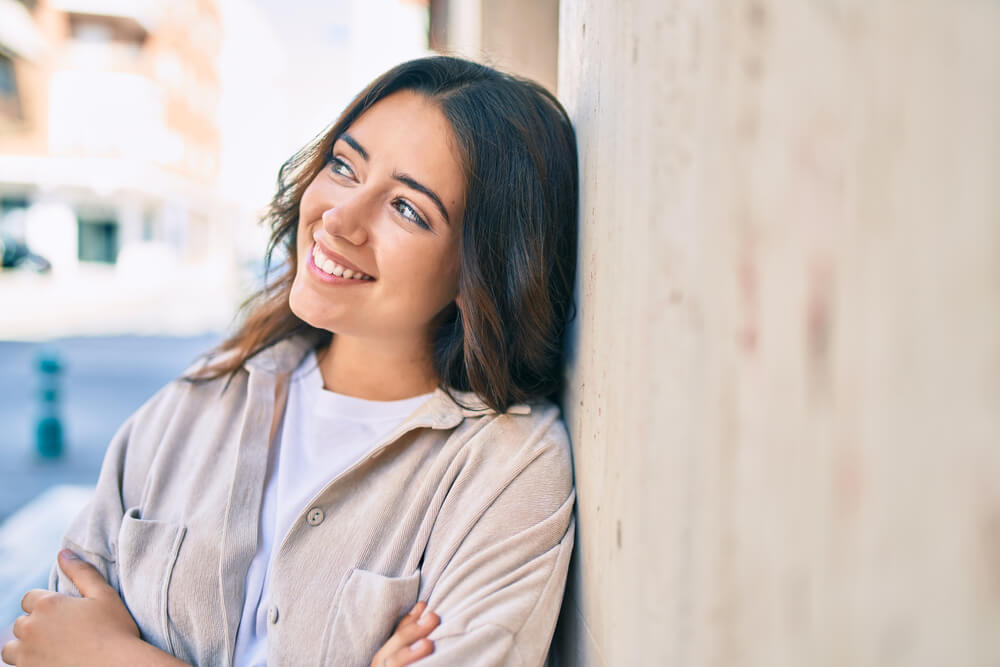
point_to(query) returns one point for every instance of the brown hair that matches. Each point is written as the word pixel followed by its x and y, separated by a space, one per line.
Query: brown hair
pixel 518 248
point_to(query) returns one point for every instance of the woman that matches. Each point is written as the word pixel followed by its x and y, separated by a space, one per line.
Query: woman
pixel 377 433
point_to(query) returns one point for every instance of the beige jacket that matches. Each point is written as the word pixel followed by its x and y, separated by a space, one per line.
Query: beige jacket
pixel 467 509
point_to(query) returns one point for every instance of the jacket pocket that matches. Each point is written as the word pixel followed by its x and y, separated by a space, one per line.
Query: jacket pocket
pixel 367 610
pixel 147 551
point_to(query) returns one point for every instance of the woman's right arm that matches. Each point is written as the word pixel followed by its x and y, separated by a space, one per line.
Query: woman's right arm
pixel 95 629
pixel 69 616
pixel 92 533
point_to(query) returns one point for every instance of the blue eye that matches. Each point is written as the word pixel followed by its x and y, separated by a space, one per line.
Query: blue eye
pixel 341 168
pixel 409 212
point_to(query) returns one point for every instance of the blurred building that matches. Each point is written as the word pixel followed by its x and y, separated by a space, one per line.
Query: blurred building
pixel 108 126
pixel 140 141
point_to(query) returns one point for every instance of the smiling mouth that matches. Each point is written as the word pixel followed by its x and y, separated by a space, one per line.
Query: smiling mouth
pixel 330 267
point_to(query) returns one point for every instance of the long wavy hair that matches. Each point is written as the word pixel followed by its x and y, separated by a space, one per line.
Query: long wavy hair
pixel 518 237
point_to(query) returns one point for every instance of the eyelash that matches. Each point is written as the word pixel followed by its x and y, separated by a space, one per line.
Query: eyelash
pixel 336 162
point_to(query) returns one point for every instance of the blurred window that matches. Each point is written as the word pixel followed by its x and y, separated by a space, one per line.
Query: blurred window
pixel 98 240
pixel 12 202
pixel 12 215
pixel 91 31
pixel 8 86
pixel 148 227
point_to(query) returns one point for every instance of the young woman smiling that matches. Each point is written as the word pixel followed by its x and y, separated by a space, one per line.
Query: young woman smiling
pixel 371 470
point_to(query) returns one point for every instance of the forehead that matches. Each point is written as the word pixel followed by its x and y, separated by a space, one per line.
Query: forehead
pixel 406 132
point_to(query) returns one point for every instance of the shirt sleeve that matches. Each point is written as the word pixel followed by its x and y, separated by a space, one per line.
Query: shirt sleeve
pixel 499 594
pixel 93 533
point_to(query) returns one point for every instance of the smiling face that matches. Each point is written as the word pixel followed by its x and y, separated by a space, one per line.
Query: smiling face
pixel 388 208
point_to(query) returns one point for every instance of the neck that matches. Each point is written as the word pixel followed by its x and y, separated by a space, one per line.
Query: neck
pixel 377 370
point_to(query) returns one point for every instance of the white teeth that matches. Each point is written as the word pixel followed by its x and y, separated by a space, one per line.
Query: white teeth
pixel 331 267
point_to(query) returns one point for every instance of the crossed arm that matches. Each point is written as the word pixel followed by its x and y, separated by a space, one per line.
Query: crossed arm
pixel 496 573
pixel 96 629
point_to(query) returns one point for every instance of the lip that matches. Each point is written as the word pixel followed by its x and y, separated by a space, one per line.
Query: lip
pixel 339 259
pixel 325 277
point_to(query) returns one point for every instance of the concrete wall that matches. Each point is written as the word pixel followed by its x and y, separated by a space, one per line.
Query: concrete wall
pixel 514 35
pixel 785 396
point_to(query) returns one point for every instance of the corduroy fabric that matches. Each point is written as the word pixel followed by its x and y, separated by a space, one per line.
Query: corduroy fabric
pixel 467 509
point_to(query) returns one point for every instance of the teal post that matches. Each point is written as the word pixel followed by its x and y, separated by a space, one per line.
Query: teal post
pixel 49 430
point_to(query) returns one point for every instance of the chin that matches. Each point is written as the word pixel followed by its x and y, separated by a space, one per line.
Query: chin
pixel 316 313
pixel 304 307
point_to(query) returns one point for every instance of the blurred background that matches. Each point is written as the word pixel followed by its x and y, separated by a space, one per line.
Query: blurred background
pixel 139 141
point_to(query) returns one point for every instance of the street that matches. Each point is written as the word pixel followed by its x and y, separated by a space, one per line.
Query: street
pixel 104 380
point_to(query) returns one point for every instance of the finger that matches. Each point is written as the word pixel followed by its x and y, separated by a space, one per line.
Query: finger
pixel 410 629
pixel 84 576
pixel 407 655
pixel 18 628
pixel 417 614
pixel 411 617
pixel 31 598
pixel 427 622
pixel 9 652
pixel 413 614
pixel 417 629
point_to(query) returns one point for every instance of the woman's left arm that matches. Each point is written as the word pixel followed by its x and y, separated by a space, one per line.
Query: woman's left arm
pixel 96 629
pixel 498 594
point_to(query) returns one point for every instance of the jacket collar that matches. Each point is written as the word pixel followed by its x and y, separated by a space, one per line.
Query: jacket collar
pixel 440 412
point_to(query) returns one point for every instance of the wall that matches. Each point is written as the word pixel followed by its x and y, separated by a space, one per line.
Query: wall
pixel 785 391
pixel 518 36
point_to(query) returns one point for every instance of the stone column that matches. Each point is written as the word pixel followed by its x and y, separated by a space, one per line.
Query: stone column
pixel 785 391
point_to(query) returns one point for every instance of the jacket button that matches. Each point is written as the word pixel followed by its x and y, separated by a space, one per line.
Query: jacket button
pixel 272 614
pixel 315 516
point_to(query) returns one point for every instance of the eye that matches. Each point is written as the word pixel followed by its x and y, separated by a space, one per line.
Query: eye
pixel 409 212
pixel 341 168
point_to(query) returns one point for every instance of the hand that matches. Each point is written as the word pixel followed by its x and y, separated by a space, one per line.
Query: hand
pixel 408 644
pixel 64 630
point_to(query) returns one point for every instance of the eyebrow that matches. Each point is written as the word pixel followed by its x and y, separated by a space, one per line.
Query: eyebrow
pixel 406 179
pixel 353 143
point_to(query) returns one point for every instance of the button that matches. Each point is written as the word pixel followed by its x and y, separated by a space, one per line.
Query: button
pixel 272 614
pixel 315 516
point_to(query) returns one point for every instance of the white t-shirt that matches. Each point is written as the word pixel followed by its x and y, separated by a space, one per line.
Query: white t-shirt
pixel 322 434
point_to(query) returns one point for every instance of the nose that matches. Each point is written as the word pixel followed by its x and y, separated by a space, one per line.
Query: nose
pixel 347 220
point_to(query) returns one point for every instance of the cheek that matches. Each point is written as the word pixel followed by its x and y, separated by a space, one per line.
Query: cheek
pixel 449 278
pixel 446 281
pixel 311 205
pixel 426 278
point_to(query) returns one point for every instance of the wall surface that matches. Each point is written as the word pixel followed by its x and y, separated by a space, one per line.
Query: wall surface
pixel 522 36
pixel 519 36
pixel 785 391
